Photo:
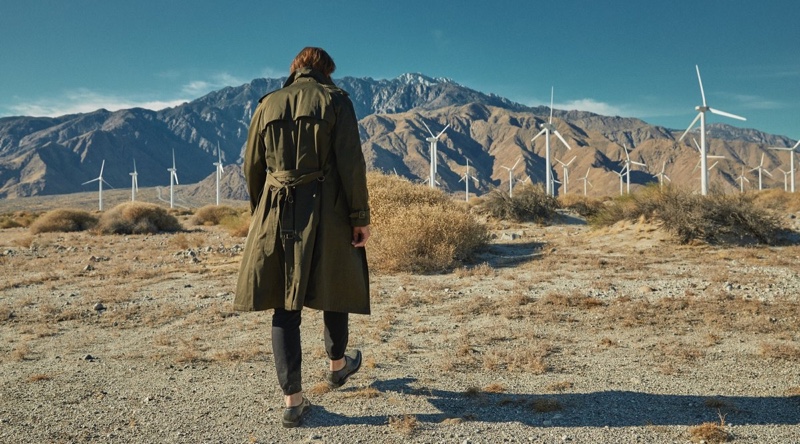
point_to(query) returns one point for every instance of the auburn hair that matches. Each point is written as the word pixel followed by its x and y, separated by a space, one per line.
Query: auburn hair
pixel 314 58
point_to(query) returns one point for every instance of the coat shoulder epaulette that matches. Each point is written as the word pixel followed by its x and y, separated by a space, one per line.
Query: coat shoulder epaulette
pixel 265 96
pixel 333 89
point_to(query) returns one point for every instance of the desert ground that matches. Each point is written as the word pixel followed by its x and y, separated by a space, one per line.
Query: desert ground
pixel 558 333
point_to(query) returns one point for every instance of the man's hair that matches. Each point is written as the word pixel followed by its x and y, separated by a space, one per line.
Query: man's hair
pixel 314 58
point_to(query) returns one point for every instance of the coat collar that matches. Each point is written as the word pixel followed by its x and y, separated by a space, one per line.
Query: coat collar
pixel 307 73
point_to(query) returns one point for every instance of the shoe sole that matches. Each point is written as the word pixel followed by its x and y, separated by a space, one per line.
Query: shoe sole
pixel 293 424
pixel 346 378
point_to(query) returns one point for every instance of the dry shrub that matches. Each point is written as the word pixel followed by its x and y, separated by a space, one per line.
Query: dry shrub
pixel 777 350
pixel 38 377
pixel 17 219
pixel 530 203
pixel 418 229
pixel 583 205
pixel 63 220
pixel 137 218
pixel 213 215
pixel 777 200
pixel 716 218
pixel 238 225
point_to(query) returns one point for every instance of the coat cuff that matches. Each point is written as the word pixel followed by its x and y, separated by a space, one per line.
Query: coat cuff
pixel 359 218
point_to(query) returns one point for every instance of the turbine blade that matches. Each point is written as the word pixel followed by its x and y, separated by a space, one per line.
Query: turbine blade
pixel 723 113
pixel 134 165
pixel 90 181
pixel 551 103
pixel 638 163
pixel 562 139
pixel 690 126
pixel 102 165
pixel 109 185
pixel 429 130
pixel 540 133
pixel 768 173
pixel 699 80
pixel 516 163
pixel 796 145
pixel 442 131
pixel 173 158
pixel 573 159
pixel 696 144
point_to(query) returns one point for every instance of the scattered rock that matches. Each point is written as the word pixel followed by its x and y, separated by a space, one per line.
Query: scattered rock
pixel 646 289
pixel 88 268
pixel 88 357
pixel 99 306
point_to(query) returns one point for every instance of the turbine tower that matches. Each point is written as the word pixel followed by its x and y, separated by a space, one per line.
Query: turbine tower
pixel 433 140
pixel 565 167
pixel 173 180
pixel 585 180
pixel 621 175
pixel 742 180
pixel 702 117
pixel 792 151
pixel 99 179
pixel 134 182
pixel 760 168
pixel 628 163
pixel 662 176
pixel 548 128
pixel 785 179
pixel 708 156
pixel 466 177
pixel 511 177
pixel 219 172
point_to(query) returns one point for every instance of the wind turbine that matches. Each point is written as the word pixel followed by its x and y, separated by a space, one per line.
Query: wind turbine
pixel 628 163
pixel 547 128
pixel 99 179
pixel 742 180
pixel 785 179
pixel 565 167
pixel 792 151
pixel 661 176
pixel 466 177
pixel 702 117
pixel 621 175
pixel 708 156
pixel 433 141
pixel 134 182
pixel 761 169
pixel 173 180
pixel 511 177
pixel 585 180
pixel 217 164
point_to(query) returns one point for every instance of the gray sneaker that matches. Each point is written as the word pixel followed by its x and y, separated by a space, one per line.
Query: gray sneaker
pixel 292 416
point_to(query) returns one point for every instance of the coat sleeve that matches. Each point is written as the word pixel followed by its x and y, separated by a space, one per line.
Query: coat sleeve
pixel 350 162
pixel 254 165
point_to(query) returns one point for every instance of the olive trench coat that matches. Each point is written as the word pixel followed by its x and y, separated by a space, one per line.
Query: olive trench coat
pixel 306 177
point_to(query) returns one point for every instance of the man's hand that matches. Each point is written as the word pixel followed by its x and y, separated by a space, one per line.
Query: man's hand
pixel 360 236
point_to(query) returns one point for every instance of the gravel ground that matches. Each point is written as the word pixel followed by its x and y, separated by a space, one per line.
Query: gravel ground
pixel 556 334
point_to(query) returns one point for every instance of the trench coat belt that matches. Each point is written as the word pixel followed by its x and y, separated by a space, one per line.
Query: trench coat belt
pixel 281 186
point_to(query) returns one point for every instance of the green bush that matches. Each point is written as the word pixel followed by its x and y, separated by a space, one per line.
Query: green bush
pixel 137 218
pixel 63 220
pixel 418 229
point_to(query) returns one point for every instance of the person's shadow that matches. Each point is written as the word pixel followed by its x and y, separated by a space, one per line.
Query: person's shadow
pixel 597 409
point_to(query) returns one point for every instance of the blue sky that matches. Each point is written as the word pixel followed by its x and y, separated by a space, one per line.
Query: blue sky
pixel 620 57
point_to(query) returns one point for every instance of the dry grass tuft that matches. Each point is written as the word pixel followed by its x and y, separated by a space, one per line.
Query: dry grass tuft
pixel 710 432
pixel 137 218
pixel 404 424
pixel 319 389
pixel 559 386
pixel 63 220
pixel 20 352
pixel 495 388
pixel 38 377
pixel 530 203
pixel 418 229
pixel 778 200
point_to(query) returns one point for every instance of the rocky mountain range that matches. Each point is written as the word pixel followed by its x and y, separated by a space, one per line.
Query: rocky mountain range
pixel 40 155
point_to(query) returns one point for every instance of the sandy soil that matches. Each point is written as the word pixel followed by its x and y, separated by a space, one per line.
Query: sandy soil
pixel 554 334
